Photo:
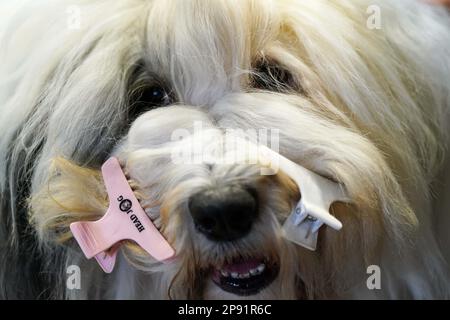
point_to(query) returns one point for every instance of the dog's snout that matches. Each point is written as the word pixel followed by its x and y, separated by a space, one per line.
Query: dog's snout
pixel 224 213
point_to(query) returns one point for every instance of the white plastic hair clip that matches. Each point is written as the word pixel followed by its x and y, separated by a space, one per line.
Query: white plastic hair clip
pixel 317 195
pixel 312 211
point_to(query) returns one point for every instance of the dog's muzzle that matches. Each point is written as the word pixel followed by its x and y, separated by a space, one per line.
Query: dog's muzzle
pixel 224 214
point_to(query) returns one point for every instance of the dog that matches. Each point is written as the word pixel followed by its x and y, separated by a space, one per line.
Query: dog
pixel 355 91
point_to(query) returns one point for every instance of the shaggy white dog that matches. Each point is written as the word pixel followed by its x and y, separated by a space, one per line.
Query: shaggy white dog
pixel 358 90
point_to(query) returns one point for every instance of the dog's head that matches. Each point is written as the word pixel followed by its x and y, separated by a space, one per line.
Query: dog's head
pixel 146 81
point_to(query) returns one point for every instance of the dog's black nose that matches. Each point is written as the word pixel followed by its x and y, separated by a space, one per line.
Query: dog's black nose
pixel 224 213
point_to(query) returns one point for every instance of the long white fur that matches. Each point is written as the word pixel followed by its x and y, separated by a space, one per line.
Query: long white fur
pixel 374 117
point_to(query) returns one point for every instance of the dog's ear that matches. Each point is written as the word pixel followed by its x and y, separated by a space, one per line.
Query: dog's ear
pixel 72 193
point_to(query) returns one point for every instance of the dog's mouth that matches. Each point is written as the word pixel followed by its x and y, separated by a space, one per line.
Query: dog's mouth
pixel 245 277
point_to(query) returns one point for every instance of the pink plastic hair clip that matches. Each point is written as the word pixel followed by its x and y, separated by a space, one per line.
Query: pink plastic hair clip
pixel 124 220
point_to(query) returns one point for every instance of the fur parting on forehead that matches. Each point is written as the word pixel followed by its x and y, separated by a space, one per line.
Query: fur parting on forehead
pixel 206 50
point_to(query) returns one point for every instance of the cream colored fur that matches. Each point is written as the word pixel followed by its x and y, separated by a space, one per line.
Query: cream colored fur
pixel 372 114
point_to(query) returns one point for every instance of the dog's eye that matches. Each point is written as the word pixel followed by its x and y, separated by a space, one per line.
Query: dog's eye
pixel 154 96
pixel 268 75
pixel 146 97
pixel 145 91
pixel 149 97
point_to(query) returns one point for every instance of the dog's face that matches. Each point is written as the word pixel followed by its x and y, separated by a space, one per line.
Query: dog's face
pixel 289 69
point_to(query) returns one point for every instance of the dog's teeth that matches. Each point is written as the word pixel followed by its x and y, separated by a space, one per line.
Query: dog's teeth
pixel 261 268
pixel 254 272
